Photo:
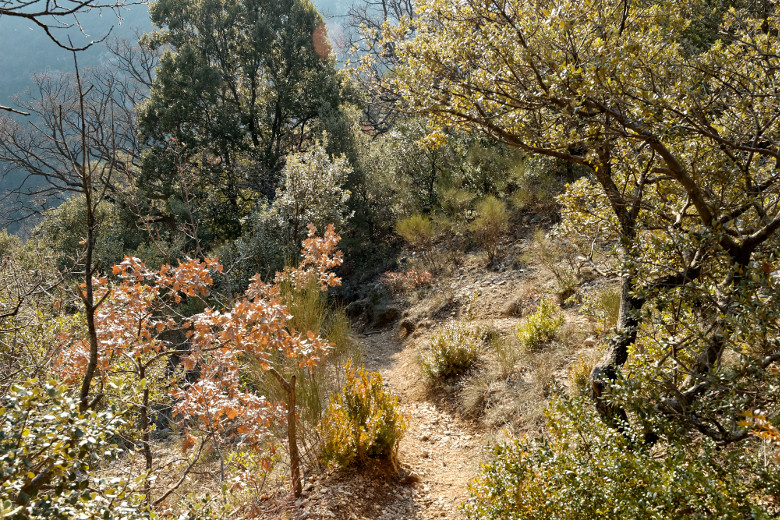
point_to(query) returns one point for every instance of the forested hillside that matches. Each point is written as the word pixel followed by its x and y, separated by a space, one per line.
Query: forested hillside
pixel 500 260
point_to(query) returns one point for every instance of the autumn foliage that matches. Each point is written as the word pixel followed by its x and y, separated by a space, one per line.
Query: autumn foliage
pixel 254 326
pixel 406 281
pixel 134 313
pixel 129 320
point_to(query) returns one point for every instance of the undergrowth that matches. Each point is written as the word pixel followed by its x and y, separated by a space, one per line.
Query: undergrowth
pixel 453 349
pixel 541 327
pixel 362 421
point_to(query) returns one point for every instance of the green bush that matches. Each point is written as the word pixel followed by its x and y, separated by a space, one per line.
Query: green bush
pixel 587 470
pixel 453 349
pixel 538 180
pixel 417 231
pixel 44 438
pixel 491 224
pixel 541 327
pixel 362 421
pixel 578 373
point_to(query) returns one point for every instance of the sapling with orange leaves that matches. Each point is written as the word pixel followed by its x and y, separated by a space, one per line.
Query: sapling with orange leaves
pixel 130 325
pixel 137 312
pixel 256 328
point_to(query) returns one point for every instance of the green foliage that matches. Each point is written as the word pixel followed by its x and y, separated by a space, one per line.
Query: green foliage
pixel 491 225
pixel 540 327
pixel 239 88
pixel 538 180
pixel 37 309
pixel 417 230
pixel 456 202
pixel 696 248
pixel 453 349
pixel 63 230
pixel 410 171
pixel 363 421
pixel 44 439
pixel 407 170
pixel 9 244
pixel 312 192
pixel 587 470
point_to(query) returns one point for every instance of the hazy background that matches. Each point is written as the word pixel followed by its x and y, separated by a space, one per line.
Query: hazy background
pixel 25 50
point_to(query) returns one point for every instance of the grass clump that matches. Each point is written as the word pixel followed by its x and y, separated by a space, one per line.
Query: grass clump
pixel 452 350
pixel 362 421
pixel 541 327
pixel 417 230
pixel 491 225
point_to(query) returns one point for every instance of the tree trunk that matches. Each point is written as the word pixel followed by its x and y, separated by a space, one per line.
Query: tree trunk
pixel 295 458
pixel 606 369
pixel 145 440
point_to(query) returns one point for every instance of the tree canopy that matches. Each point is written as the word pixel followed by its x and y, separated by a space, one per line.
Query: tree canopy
pixel 238 89
pixel 684 146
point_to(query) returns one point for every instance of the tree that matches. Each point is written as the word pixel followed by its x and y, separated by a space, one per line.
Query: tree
pixel 368 22
pixel 313 192
pixel 82 145
pixel 131 327
pixel 683 146
pixel 239 89
pixel 56 16
pixel 58 19
pixel 256 328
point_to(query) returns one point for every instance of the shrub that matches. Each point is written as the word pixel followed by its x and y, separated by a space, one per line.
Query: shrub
pixel 603 304
pixel 312 192
pixel 417 231
pixel 453 349
pixel 557 257
pixel 491 224
pixel 456 202
pixel 408 281
pixel 362 421
pixel 587 470
pixel 541 327
pixel 579 372
pixel 538 180
pixel 48 455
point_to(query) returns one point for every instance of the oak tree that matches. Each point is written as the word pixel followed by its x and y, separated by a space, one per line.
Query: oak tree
pixel 682 147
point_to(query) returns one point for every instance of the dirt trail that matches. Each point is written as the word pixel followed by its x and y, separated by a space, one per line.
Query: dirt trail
pixel 439 455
